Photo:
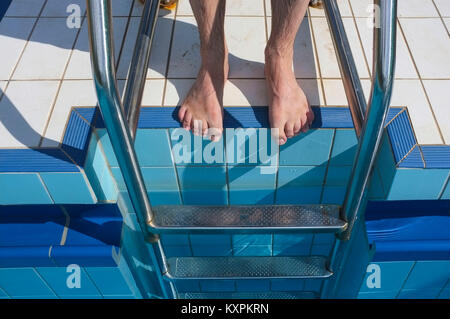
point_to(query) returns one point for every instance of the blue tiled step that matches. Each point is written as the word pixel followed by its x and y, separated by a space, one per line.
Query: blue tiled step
pixel 248 295
pixel 247 267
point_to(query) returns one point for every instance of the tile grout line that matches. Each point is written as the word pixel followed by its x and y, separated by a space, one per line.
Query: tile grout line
pixel 169 56
pixel 444 187
pixel 23 49
pixel 61 80
pixel 314 43
pixel 440 16
pixel 119 56
pixel 406 279
pixel 360 39
pixel 421 82
pixel 333 138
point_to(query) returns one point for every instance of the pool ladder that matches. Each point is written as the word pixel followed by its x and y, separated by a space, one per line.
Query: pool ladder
pixel 343 276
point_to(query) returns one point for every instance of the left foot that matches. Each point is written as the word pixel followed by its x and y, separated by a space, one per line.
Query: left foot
pixel 289 110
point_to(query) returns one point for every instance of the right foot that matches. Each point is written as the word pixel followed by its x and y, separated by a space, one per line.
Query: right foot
pixel 202 109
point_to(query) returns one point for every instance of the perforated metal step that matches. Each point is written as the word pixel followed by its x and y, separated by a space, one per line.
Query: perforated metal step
pixel 248 295
pixel 244 218
pixel 247 267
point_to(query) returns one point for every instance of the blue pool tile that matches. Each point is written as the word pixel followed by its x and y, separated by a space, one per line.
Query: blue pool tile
pixel 119 297
pixel 212 250
pixel 3 294
pixel 174 239
pixel 188 149
pixel 59 277
pixel 21 282
pixel 333 195
pixel 107 147
pixel 202 177
pixel 392 276
pixel 109 280
pixel 249 178
pixel 287 284
pixel 98 173
pixel 313 285
pixel 160 178
pixel 177 251
pixel 323 239
pixel 165 197
pixel 321 250
pixel 86 256
pixel 344 148
pixel 22 189
pixel 401 136
pixel 242 240
pixel 436 156
pixel 299 195
pixel 25 256
pixel 445 294
pixel 68 188
pixel 42 225
pixel 295 176
pixel 252 197
pixel 33 160
pixel 446 191
pixel 376 190
pixel 250 146
pixel 153 148
pixel 253 285
pixel 210 239
pixel 385 162
pixel 252 250
pixel 187 285
pixel 428 275
pixel 217 285
pixel 312 148
pixel 338 175
pixel 430 185
pixel 419 294
pixel 204 197
pixel 413 159
pixel 76 138
pixel 388 294
pixel 292 245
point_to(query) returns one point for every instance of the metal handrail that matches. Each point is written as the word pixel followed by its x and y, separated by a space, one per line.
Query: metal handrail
pixel 352 84
pixel 99 18
pixel 384 53
pixel 137 74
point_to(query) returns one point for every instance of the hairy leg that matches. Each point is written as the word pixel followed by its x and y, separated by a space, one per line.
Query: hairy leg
pixel 289 110
pixel 202 110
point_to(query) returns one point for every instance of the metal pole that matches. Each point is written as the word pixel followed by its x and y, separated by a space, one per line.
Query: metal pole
pixel 139 65
pixel 350 78
pixel 102 58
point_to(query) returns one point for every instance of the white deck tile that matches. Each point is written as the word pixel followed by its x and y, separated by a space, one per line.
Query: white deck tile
pixel 416 8
pixel 47 52
pixel 14 33
pixel 430 46
pixel 71 94
pixel 79 66
pixel 23 115
pixel 246 42
pixel 410 93
pixel 443 7
pixel 25 8
pixel 60 8
pixel 439 94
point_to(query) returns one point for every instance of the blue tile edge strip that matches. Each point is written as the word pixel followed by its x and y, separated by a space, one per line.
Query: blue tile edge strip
pixel 409 230
pixel 4 5
pixel 71 154
pixel 92 238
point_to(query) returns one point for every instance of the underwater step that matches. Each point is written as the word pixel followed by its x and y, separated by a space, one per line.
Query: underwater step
pixel 240 267
pixel 320 218
pixel 249 295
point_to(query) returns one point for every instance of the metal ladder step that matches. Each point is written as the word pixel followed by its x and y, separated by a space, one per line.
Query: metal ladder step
pixel 320 218
pixel 240 267
pixel 249 295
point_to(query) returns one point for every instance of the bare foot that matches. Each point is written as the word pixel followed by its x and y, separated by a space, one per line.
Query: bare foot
pixel 289 110
pixel 202 109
